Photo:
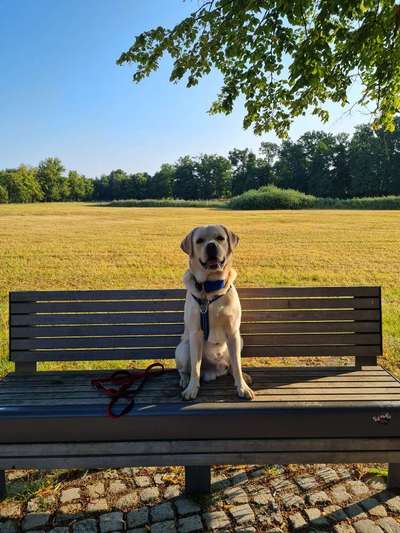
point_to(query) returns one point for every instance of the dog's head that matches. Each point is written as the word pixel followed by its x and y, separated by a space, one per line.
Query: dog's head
pixel 210 248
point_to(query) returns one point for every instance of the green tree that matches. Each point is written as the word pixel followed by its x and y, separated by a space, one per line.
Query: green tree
pixel 160 185
pixel 186 184
pixel 283 58
pixel 78 186
pixel 3 195
pixel 51 179
pixel 248 171
pixel 21 184
pixel 214 176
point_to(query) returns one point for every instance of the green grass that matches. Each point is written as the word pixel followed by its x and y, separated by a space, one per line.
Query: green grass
pixel 84 246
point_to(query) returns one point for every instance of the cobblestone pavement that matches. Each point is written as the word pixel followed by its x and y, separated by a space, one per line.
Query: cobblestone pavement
pixel 341 499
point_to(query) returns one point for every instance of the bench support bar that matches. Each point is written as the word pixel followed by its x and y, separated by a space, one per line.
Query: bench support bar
pixel 2 484
pixel 394 476
pixel 197 479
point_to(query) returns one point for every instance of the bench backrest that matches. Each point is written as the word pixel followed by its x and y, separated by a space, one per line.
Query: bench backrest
pixel 147 324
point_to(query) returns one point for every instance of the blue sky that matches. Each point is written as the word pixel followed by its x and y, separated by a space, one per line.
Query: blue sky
pixel 61 93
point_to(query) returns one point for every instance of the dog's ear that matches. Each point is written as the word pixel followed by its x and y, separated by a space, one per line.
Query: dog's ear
pixel 187 243
pixel 233 239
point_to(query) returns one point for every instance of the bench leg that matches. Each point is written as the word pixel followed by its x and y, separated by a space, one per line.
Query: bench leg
pixel 394 476
pixel 197 479
pixel 2 485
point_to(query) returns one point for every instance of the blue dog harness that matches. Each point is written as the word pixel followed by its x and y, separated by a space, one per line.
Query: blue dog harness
pixel 204 303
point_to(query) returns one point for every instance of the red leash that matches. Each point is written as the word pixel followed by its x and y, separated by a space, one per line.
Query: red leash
pixel 124 380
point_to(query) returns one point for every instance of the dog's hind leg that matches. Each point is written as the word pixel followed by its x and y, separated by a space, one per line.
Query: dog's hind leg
pixel 182 358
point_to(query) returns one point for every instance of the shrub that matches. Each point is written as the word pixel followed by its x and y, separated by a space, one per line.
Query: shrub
pixel 272 197
pixel 3 195
pixel 166 202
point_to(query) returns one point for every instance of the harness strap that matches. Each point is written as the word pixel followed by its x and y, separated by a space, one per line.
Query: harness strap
pixel 204 304
pixel 124 379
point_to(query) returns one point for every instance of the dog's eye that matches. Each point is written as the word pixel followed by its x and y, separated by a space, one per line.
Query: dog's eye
pixel 220 238
pixel 199 241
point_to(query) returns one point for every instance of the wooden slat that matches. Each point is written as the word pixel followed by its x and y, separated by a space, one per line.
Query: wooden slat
pixel 347 339
pixel 177 305
pixel 197 446
pixel 101 318
pixel 298 351
pixel 299 316
pixel 21 332
pixel 95 355
pixel 31 296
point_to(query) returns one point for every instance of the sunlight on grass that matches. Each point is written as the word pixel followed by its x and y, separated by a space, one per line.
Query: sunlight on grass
pixel 83 246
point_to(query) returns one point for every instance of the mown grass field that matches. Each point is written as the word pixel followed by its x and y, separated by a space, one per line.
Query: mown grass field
pixel 83 246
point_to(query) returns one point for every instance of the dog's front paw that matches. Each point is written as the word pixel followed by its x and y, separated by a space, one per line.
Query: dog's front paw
pixel 183 382
pixel 191 391
pixel 244 391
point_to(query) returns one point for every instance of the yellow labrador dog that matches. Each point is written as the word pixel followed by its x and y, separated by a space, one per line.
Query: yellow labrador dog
pixel 211 342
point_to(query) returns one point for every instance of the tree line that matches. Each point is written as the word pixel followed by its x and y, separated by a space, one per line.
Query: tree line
pixel 318 163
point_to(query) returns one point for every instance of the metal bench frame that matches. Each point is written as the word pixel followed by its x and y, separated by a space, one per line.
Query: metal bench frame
pixel 146 324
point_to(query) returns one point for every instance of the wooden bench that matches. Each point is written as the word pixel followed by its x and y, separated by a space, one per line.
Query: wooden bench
pixel 308 414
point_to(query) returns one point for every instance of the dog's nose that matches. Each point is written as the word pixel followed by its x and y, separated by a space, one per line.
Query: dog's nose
pixel 211 249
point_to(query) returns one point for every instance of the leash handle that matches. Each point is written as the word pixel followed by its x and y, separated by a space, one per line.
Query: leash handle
pixel 124 379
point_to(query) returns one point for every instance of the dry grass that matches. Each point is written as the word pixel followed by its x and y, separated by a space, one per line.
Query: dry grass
pixel 79 246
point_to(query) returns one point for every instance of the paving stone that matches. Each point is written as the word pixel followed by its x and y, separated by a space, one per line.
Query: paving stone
pixel 58 530
pixel 64 518
pixel 70 495
pixel 158 479
pixel 96 490
pixel 319 498
pixel 186 506
pixel 10 509
pixel 127 501
pixel 274 530
pixel 376 483
pixel 219 482
pixel 282 484
pixel 35 521
pixel 71 508
pixel 315 518
pixel 394 504
pixel 190 524
pixel 239 478
pixel 366 526
pixel 247 529
pixel 242 514
pixel 216 520
pixel 389 525
pixel 172 491
pixel 111 522
pixel 373 507
pixel 260 472
pixel 343 528
pixel 327 474
pixel 40 504
pixel 334 513
pixel 116 487
pixel 306 482
pixel 98 506
pixel 150 494
pixel 138 517
pixel 10 526
pixel 265 499
pixel 343 473
pixel 236 495
pixel 358 488
pixel 355 511
pixel 162 512
pixel 85 526
pixel 296 521
pixel 138 530
pixel 277 517
pixel 164 527
pixel 340 494
pixel 143 481
pixel 292 501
